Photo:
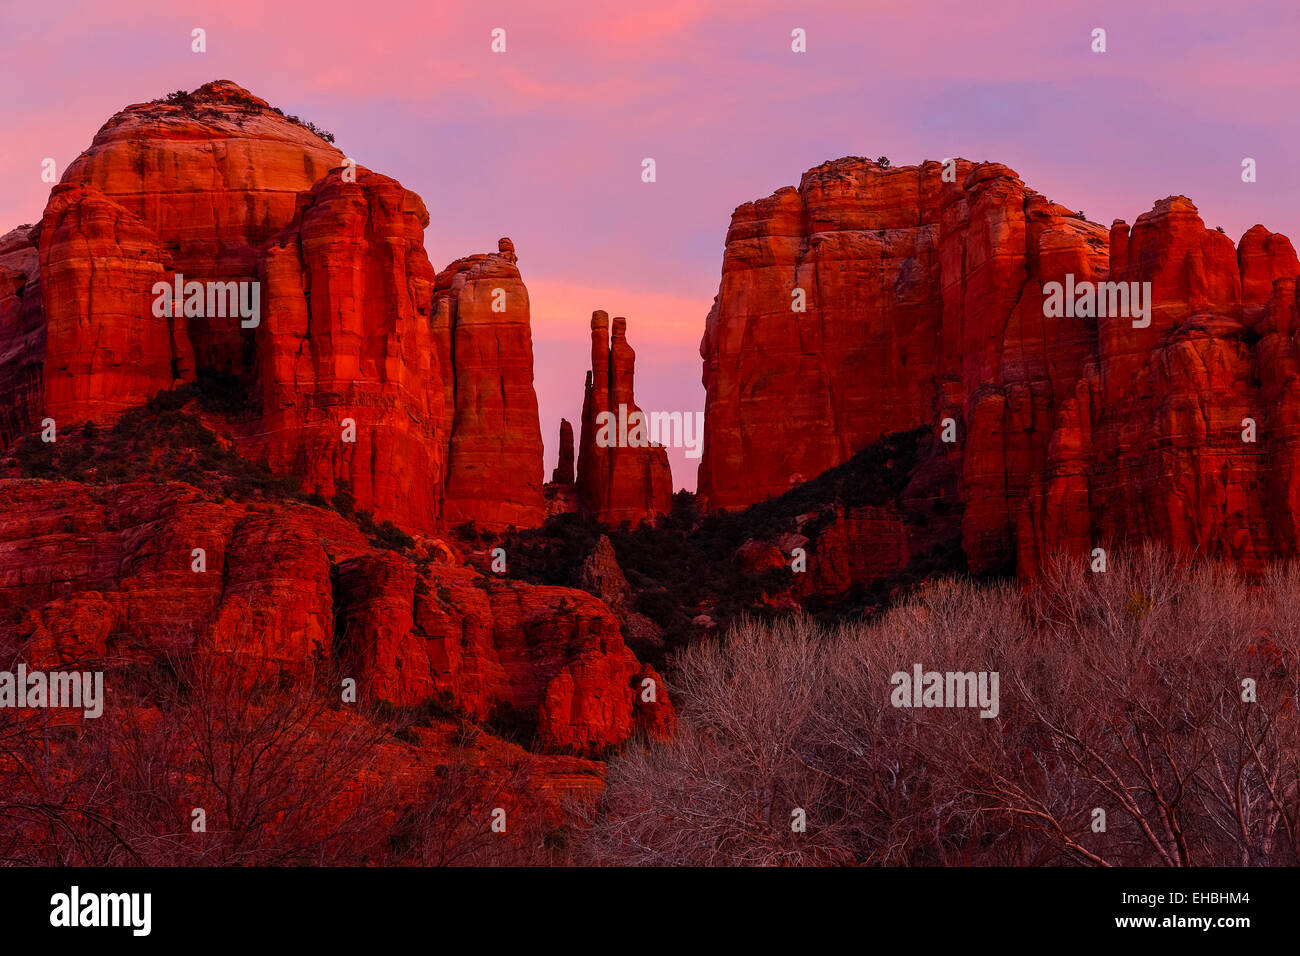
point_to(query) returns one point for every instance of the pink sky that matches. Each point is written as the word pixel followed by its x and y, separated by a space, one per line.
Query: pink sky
pixel 544 143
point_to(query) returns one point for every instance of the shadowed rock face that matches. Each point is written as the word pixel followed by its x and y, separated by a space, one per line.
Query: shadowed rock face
pixel 924 301
pixel 22 334
pixel 617 482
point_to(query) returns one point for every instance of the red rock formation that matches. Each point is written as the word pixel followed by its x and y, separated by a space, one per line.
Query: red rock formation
pixel 95 577
pixel 563 473
pixel 347 337
pixel 552 653
pixel 859 546
pixel 1263 258
pixel 790 394
pixel 213 175
pixel 218 186
pixel 84 574
pixel 1152 446
pixel 105 349
pixel 434 374
pixel 96 573
pixel 22 334
pixel 561 492
pixel 561 499
pixel 601 575
pixel 925 301
pixel 1010 242
pixel 481 326
pixel 618 479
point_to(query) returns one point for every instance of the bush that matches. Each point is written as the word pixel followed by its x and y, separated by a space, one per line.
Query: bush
pixel 345 503
pixel 516 724
pixel 1121 691
pixel 390 536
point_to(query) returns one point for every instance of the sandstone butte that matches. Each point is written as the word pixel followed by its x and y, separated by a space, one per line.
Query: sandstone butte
pixel 924 301
pixel 355 323
pixel 433 370
pixel 617 482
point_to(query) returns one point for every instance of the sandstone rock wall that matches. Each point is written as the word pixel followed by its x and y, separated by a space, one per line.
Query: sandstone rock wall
pixel 214 176
pixel 483 333
pixel 433 371
pixel 348 338
pixel 924 301
pixel 22 334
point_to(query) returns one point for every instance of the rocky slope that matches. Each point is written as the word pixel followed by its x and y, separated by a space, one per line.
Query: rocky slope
pixel 97 573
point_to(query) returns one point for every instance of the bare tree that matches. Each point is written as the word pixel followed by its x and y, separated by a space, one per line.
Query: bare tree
pixel 1147 716
pixel 729 787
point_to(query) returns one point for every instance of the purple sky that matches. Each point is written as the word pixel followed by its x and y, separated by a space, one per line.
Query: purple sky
pixel 544 143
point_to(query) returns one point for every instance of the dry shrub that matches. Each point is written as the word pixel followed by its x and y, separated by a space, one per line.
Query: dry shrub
pixel 1120 692
pixel 285 774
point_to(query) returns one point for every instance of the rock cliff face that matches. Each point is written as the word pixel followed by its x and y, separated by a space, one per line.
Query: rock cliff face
pixel 924 300
pixel 348 365
pixel 434 372
pixel 105 350
pixel 792 393
pixel 22 334
pixel 483 333
pixel 93 572
pixel 552 654
pixel 621 476
pixel 1185 431
pixel 213 175
pixel 90 574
